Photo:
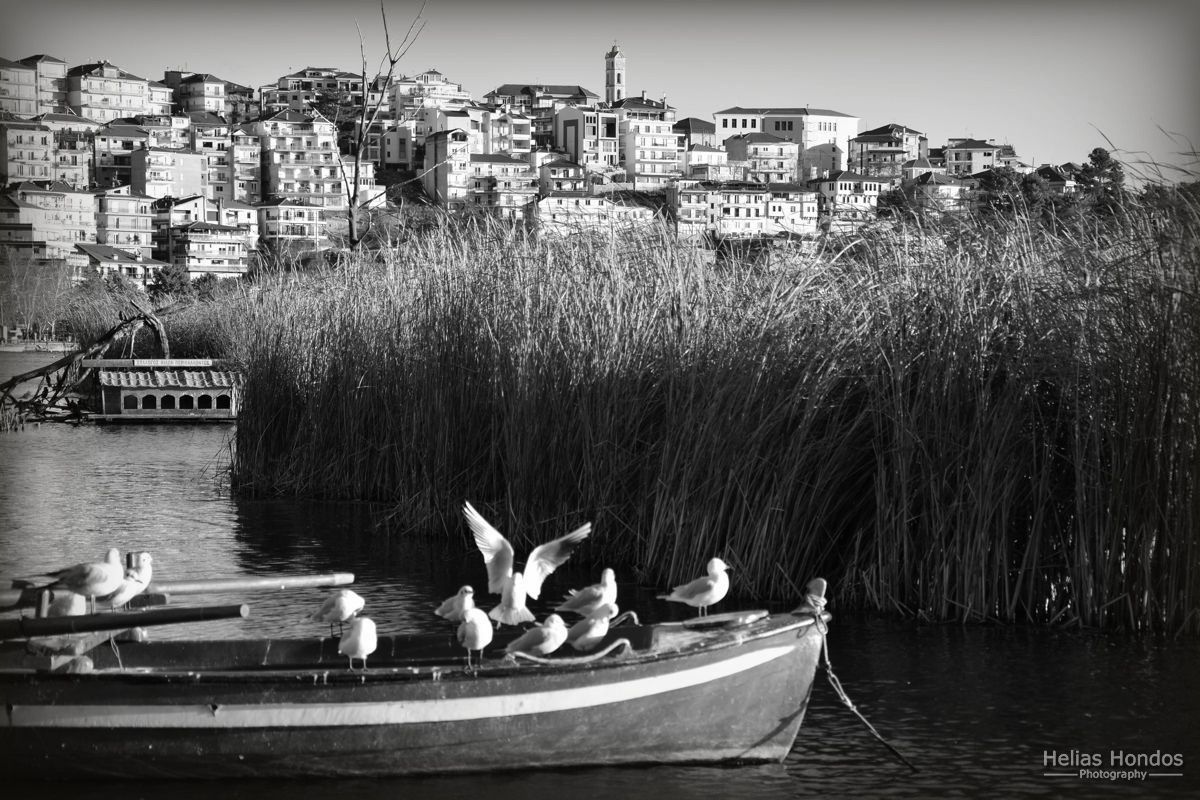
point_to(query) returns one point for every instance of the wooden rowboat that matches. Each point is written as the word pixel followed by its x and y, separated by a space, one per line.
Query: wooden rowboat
pixel 724 688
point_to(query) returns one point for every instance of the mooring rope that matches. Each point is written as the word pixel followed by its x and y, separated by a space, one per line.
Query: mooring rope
pixel 817 604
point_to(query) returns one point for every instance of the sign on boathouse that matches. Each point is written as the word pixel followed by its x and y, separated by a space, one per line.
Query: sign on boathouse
pixel 162 389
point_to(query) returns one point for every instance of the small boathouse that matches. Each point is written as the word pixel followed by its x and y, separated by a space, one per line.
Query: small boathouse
pixel 166 390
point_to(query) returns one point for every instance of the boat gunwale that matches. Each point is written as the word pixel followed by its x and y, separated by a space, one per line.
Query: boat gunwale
pixel 440 669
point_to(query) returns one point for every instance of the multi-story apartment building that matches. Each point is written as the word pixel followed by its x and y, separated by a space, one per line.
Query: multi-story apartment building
pixel 104 92
pixel 51 83
pixel 695 204
pixel 106 260
pixel 125 220
pixel 704 162
pixel 649 148
pixel 560 175
pixel 429 89
pixel 508 132
pixel 539 102
pixel 171 213
pixel 696 131
pixel 501 184
pixel 792 209
pixel 882 152
pixel 567 213
pixel 205 248
pixel 114 145
pixel 210 136
pixel 766 158
pixel 164 130
pixel 447 156
pixel 26 152
pixel 241 103
pixel 203 92
pixel 741 211
pixel 300 159
pixel 245 163
pixel 162 172
pixel 969 156
pixel 290 227
pixel 823 135
pixel 18 88
pixel 47 219
pixel 847 199
pixel 311 85
pixel 589 135
pixel 236 214
pixel 159 98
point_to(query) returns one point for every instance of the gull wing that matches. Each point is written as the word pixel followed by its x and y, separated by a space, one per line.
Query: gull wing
pixel 497 552
pixel 548 557
pixel 694 588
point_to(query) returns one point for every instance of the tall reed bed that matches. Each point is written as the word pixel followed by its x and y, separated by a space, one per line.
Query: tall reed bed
pixel 980 422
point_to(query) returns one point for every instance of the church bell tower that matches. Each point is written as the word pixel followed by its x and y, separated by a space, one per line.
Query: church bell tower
pixel 614 75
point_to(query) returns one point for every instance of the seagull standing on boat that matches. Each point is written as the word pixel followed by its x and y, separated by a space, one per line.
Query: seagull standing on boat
pixel 454 608
pixel 512 609
pixel 340 607
pixel 584 601
pixel 360 642
pixel 92 580
pixel 498 554
pixel 475 632
pixel 703 592
pixel 591 630
pixel 137 578
pixel 541 640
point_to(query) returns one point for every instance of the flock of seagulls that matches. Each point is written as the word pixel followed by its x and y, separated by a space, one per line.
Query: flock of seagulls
pixel 110 582
pixel 595 605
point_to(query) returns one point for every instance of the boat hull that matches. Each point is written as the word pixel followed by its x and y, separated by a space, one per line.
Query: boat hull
pixel 741 698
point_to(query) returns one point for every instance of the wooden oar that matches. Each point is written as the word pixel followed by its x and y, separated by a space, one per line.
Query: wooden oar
pixel 24 593
pixel 250 584
pixel 30 627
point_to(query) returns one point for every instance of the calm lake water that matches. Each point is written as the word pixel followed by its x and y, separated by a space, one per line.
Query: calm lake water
pixel 974 708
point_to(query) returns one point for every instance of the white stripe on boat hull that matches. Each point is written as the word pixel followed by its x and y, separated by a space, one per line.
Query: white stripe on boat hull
pixel 401 712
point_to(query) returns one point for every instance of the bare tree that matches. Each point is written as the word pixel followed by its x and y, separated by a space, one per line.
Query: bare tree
pixel 367 114
pixel 31 292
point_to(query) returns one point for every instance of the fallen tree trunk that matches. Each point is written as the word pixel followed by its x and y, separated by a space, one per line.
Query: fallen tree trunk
pixel 50 393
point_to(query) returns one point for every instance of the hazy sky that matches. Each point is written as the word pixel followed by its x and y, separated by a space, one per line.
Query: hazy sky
pixel 1054 78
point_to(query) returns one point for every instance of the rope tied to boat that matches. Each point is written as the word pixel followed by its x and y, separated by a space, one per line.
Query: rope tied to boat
pixel 622 642
pixel 815 603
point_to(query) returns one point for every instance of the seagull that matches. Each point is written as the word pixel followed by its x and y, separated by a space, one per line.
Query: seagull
pixel 702 592
pixel 512 610
pixel 137 578
pixel 360 642
pixel 498 554
pixel 454 608
pixel 541 640
pixel 591 630
pixel 339 607
pixel 584 601
pixel 475 632
pixel 91 580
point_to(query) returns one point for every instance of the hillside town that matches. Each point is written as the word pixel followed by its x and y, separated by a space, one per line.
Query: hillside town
pixel 105 171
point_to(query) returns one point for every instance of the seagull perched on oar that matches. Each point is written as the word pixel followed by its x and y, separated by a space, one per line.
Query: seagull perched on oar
pixel 92 580
pixel 591 630
pixel 454 608
pixel 475 632
pixel 541 640
pixel 340 607
pixel 360 642
pixel 498 554
pixel 702 592
pixel 584 601
pixel 137 578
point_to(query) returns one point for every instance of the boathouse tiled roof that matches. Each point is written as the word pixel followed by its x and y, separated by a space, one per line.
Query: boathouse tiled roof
pixel 170 378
